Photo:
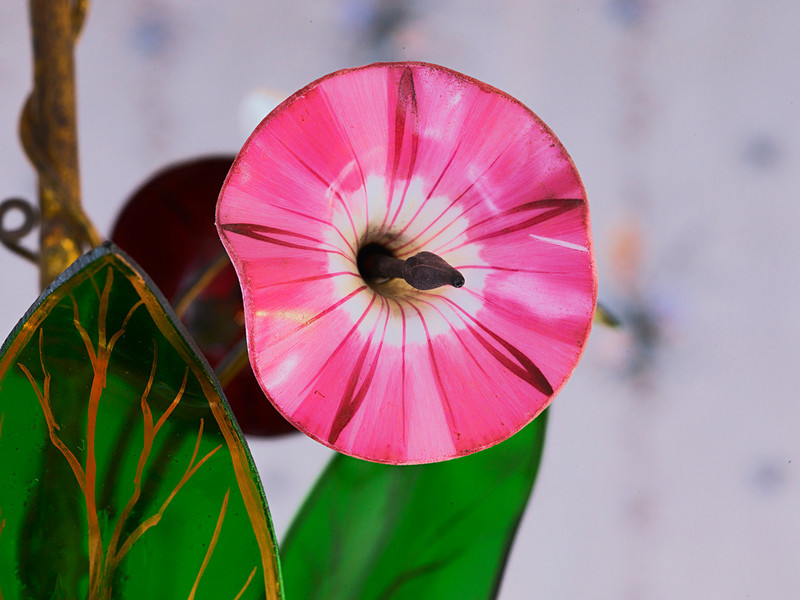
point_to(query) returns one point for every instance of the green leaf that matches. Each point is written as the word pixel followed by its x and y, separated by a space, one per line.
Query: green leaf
pixel 372 531
pixel 605 317
pixel 122 472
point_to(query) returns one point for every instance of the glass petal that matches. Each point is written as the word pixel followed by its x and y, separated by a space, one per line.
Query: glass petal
pixel 412 157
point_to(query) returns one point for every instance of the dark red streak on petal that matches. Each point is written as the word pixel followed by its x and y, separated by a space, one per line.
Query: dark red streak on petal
pixel 428 197
pixel 328 185
pixel 524 368
pixel 510 269
pixel 562 206
pixel 455 332
pixel 512 312
pixel 448 411
pixel 406 115
pixel 438 250
pixel 322 314
pixel 307 279
pixel 338 348
pixel 402 200
pixel 403 373
pixel 352 398
pixel 256 231
pixel 476 362
pixel 260 233
pixel 461 214
pixel 325 222
pixel 333 306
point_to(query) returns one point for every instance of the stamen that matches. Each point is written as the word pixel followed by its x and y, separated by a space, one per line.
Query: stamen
pixel 423 271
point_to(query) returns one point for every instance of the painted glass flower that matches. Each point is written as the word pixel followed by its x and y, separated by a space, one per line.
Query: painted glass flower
pixel 367 168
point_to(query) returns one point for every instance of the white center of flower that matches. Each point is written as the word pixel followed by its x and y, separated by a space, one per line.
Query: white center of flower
pixel 405 221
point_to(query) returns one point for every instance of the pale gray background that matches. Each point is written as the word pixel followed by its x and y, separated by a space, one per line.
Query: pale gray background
pixel 671 467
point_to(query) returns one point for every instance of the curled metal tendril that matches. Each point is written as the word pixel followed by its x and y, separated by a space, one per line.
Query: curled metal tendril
pixel 31 143
pixel 10 237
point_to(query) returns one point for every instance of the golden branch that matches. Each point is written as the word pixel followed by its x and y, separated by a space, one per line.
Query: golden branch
pixel 246 583
pixel 114 556
pixel 87 341
pixel 49 135
pixel 102 316
pixel 94 285
pixel 111 556
pixel 191 469
pixel 174 404
pixel 119 333
pixel 150 432
pixel 212 544
pixel 44 401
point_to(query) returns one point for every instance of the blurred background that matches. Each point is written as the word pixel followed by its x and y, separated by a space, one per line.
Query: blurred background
pixel 671 468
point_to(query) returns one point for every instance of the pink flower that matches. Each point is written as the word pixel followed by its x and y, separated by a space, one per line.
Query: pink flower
pixel 405 158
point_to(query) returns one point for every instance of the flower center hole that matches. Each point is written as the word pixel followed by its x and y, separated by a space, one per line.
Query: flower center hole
pixel 369 260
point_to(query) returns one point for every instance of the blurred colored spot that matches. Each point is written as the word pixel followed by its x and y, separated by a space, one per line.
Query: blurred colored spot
pixel 627 12
pixel 768 477
pixel 151 34
pixel 762 151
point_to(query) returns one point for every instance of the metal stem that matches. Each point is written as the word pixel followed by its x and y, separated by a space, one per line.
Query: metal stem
pixel 49 135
